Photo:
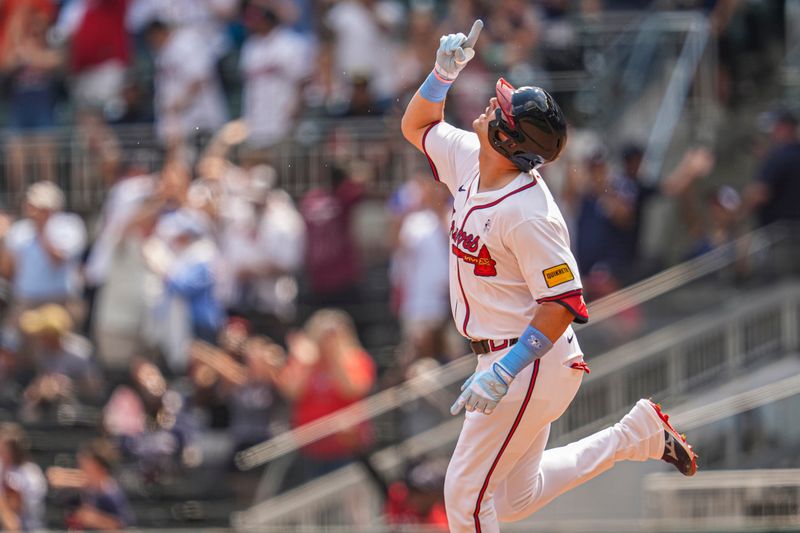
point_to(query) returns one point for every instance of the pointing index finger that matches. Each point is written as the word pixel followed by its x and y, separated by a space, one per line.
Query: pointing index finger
pixel 477 26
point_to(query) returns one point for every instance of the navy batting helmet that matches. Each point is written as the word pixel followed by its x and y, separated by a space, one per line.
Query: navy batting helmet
pixel 529 128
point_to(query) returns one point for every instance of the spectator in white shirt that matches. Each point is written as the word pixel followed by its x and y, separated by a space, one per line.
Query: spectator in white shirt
pixel 23 486
pixel 419 273
pixel 207 17
pixel 363 47
pixel 188 95
pixel 262 246
pixel 275 61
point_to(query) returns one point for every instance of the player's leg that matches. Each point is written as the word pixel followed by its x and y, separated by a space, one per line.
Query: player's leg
pixel 639 436
pixel 490 446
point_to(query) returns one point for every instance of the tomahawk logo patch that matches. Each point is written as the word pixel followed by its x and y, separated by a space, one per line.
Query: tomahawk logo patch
pixel 557 275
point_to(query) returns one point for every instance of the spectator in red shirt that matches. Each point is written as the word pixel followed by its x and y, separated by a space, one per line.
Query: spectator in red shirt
pixel 100 50
pixel 327 370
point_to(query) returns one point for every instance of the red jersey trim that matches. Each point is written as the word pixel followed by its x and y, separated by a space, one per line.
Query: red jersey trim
pixel 466 302
pixel 464 222
pixel 425 150
pixel 517 420
pixel 573 301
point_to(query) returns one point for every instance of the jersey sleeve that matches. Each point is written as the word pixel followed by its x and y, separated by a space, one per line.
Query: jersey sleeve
pixel 452 153
pixel 541 247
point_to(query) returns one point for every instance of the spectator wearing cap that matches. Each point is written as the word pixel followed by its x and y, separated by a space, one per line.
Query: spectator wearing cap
pixel 275 61
pixel 23 486
pixel 774 194
pixel 62 358
pixel 99 502
pixel 41 255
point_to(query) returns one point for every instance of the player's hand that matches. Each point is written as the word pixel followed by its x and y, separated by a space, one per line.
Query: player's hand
pixel 483 390
pixel 455 51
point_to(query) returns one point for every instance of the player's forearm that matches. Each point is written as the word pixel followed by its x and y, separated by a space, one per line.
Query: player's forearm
pixel 548 324
pixel 420 113
pixel 552 319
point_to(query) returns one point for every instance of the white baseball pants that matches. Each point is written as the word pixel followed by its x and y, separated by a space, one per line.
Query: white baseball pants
pixel 500 471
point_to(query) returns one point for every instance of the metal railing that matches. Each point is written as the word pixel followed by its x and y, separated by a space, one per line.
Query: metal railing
pixel 668 364
pixel 728 498
pixel 611 48
pixel 453 373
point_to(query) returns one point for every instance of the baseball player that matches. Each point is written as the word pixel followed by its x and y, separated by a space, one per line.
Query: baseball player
pixel 514 291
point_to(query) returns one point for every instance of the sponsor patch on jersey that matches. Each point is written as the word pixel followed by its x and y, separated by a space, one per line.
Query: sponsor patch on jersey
pixel 557 275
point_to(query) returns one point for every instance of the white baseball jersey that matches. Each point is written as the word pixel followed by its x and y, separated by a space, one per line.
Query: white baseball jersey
pixel 510 247
pixel 509 252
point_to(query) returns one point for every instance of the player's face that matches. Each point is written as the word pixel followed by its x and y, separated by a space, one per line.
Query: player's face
pixel 481 124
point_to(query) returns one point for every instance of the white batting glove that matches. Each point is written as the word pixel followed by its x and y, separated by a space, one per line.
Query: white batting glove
pixel 455 51
pixel 483 390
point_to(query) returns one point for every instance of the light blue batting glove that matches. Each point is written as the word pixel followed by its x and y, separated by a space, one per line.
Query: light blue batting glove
pixel 455 51
pixel 483 390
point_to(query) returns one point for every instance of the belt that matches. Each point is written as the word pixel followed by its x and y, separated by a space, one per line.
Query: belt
pixel 486 346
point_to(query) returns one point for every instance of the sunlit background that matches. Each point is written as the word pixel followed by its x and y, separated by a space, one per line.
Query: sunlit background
pixel 224 272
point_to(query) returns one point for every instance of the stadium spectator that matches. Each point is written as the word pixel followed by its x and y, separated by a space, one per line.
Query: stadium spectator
pixel 362 101
pixel 274 63
pixel 97 501
pixel 63 362
pixel 362 45
pixel 183 256
pixel 151 422
pixel 605 221
pixel 15 15
pixel 418 499
pixel 611 212
pixel 41 253
pixel 419 272
pixel 30 66
pixel 189 101
pixel 23 487
pixel 327 370
pixel 333 265
pixel 99 50
pixel 115 268
pixel 774 194
pixel 208 18
pixel 263 245
pixel 246 384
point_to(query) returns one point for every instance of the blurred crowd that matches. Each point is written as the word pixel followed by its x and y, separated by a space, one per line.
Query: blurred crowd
pixel 203 309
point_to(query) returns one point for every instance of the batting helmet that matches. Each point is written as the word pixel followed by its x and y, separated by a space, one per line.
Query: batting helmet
pixel 529 128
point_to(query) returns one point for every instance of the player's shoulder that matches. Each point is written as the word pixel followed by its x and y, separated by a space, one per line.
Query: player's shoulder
pixel 446 132
pixel 532 201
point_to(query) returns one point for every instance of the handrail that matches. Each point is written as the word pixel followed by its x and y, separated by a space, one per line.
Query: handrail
pixel 687 416
pixel 458 369
pixel 675 96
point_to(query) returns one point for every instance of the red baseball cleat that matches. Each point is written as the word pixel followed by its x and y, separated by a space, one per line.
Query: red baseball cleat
pixel 677 451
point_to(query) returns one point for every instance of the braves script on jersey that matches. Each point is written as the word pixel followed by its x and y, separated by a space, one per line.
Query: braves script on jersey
pixel 510 247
